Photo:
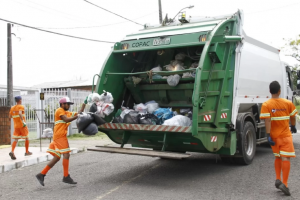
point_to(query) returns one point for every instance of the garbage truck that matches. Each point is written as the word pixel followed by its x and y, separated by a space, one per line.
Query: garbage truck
pixel 230 83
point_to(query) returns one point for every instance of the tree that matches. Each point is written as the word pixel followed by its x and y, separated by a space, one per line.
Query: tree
pixel 292 47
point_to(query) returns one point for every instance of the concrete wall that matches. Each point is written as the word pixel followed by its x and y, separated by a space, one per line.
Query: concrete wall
pixel 5 126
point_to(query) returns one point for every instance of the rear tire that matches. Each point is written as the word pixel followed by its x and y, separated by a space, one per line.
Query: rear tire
pixel 246 144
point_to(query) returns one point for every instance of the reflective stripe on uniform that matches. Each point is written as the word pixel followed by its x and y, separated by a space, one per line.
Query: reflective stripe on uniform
pixel 61 122
pixel 15 116
pixel 73 113
pixel 52 151
pixel 276 154
pixel 287 153
pixel 280 118
pixel 63 150
pixel 265 114
pixel 293 112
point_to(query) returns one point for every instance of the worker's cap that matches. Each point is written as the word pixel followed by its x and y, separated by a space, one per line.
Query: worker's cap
pixel 18 98
pixel 65 100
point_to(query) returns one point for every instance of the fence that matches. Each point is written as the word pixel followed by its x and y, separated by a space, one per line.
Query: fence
pixel 31 100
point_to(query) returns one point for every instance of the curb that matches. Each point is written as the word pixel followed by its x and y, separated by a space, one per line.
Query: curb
pixel 30 161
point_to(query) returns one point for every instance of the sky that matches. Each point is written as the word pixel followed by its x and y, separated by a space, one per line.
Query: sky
pixel 40 57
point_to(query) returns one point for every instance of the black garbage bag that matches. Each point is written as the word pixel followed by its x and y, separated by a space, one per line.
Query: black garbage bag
pixel 118 120
pixel 98 120
pixel 93 108
pixel 131 118
pixel 83 120
pixel 91 129
pixel 150 119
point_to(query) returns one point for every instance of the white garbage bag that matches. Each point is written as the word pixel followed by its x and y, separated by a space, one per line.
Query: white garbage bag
pixel 105 109
pixel 95 97
pixel 173 80
pixel 141 108
pixel 47 133
pixel 156 69
pixel 151 107
pixel 106 97
pixel 178 120
pixel 125 112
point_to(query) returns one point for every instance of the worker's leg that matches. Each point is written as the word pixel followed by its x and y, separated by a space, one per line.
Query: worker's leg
pixel 277 165
pixel 65 162
pixel 13 145
pixel 27 145
pixel 50 164
pixel 286 165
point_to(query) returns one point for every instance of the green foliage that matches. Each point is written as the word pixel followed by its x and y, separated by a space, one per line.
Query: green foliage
pixel 292 47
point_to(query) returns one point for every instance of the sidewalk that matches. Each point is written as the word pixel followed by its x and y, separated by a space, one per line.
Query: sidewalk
pixel 7 164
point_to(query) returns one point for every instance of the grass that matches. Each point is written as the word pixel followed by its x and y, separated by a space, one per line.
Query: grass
pixel 81 136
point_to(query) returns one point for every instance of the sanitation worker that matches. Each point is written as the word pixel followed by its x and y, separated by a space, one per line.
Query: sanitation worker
pixel 21 131
pixel 277 112
pixel 60 145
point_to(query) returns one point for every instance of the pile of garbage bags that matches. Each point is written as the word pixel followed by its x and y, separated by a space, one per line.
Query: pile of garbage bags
pixel 175 65
pixel 150 113
pixel 101 106
pixel 88 123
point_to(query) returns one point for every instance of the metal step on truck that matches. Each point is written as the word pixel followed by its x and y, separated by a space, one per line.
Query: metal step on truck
pixel 230 84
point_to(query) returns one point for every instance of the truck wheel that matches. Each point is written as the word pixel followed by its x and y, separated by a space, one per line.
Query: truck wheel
pixel 246 144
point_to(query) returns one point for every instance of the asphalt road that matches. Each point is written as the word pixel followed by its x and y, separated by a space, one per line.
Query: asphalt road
pixel 114 176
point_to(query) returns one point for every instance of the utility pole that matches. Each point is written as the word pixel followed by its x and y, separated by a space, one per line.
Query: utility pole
pixel 9 68
pixel 160 11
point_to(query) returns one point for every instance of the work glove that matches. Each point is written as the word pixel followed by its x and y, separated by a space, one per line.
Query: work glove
pixel 24 124
pixel 85 101
pixel 270 141
pixel 293 129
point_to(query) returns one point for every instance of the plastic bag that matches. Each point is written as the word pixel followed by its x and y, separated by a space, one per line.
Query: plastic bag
pixel 157 76
pixel 156 69
pixel 178 67
pixel 91 129
pixel 136 80
pixel 194 65
pixel 147 119
pixel 131 118
pixel 106 97
pixel 95 97
pixel 169 67
pixel 117 120
pixel 125 112
pixel 173 80
pixel 175 62
pixel 180 56
pixel 141 108
pixel 184 111
pixel 83 120
pixel 98 120
pixel 47 133
pixel 163 114
pixel 178 120
pixel 188 75
pixel 90 99
pixel 93 108
pixel 151 107
pixel 104 109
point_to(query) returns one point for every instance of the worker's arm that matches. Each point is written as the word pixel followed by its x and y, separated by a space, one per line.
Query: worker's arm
pixel 21 115
pixel 82 108
pixel 268 131
pixel 9 115
pixel 293 124
pixel 68 119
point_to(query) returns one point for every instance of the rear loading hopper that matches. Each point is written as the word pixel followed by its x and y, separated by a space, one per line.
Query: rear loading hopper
pixel 221 124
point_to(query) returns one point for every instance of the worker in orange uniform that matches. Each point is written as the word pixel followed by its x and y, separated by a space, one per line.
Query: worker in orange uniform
pixel 21 131
pixel 277 113
pixel 60 144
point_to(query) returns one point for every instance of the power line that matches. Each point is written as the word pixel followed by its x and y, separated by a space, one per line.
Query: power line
pixel 113 13
pixel 55 32
pixel 58 11
pixel 272 8
pixel 96 26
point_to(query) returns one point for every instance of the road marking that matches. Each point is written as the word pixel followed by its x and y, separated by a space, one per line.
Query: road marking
pixel 126 182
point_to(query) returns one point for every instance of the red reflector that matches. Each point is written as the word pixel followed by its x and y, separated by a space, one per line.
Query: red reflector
pixel 141 140
pixel 193 143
